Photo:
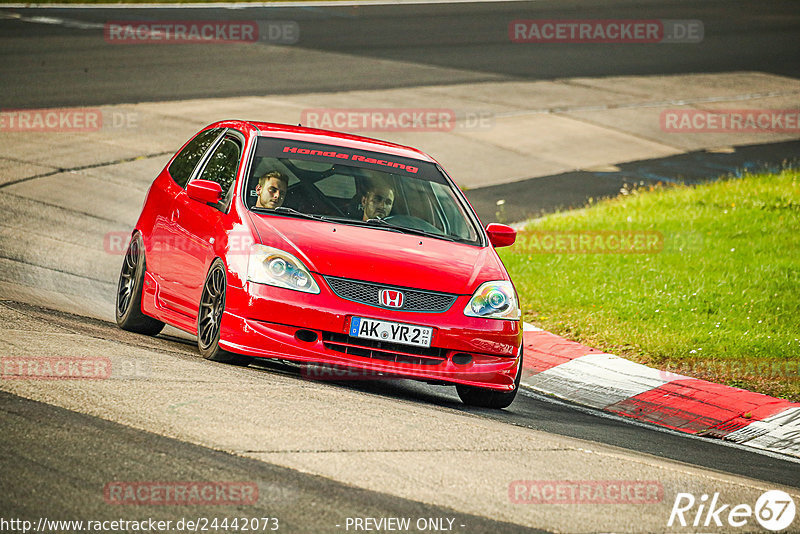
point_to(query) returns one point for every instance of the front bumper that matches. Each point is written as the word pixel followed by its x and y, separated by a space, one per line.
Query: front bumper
pixel 270 322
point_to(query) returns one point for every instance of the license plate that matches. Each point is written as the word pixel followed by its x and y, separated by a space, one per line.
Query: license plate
pixel 406 334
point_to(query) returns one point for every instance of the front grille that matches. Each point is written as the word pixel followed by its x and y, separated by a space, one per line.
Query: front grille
pixel 414 300
pixel 381 350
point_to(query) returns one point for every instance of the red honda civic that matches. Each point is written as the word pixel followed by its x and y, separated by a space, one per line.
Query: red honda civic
pixel 274 241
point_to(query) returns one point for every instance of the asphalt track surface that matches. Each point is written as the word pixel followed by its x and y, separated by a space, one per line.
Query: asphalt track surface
pixel 55 459
pixel 63 475
pixel 373 47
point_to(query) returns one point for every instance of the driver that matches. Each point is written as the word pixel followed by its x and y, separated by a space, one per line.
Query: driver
pixel 271 190
pixel 377 201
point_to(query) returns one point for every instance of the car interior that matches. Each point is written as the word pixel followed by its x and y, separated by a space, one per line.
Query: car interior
pixel 336 191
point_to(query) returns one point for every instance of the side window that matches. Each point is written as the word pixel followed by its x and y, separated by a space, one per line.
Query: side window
pixel 185 162
pixel 454 217
pixel 222 166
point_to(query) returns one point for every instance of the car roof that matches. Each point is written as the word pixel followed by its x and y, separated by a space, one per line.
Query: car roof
pixel 328 137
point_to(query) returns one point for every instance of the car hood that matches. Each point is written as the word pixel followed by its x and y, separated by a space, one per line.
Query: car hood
pixel 381 256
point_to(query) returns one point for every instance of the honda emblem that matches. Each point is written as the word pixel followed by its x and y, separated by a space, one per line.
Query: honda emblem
pixel 391 298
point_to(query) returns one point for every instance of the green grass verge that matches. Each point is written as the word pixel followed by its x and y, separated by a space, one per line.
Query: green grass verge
pixel 720 301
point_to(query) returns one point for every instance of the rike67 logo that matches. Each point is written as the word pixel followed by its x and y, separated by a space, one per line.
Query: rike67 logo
pixel 774 510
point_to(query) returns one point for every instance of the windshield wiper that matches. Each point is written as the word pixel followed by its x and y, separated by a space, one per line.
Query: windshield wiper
pixel 285 210
pixel 406 230
pixel 289 211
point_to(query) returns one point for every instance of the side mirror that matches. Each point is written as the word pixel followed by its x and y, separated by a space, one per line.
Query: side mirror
pixel 501 235
pixel 204 191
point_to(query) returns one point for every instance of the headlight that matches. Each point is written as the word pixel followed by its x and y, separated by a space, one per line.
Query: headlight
pixel 272 266
pixel 494 300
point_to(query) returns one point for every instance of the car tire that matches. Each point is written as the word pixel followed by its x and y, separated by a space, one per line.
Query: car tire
pixel 209 318
pixel 489 398
pixel 129 292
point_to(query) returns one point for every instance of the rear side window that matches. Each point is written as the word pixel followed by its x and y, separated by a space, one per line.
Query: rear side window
pixel 185 162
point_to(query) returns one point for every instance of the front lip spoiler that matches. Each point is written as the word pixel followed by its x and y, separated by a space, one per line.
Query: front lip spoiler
pixel 492 372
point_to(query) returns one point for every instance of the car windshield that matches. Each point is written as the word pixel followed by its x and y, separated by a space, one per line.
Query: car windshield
pixel 292 178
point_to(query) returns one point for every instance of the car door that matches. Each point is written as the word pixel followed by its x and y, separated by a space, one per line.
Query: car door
pixel 196 227
pixel 165 190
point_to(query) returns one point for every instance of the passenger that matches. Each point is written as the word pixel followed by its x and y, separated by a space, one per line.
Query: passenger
pixel 377 201
pixel 271 190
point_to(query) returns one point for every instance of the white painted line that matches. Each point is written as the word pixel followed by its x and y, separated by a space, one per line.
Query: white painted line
pixel 598 380
pixel 779 433
pixel 67 23
pixel 242 5
pixel 528 327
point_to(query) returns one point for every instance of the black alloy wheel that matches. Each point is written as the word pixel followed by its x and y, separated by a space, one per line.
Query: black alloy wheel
pixel 209 318
pixel 129 292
